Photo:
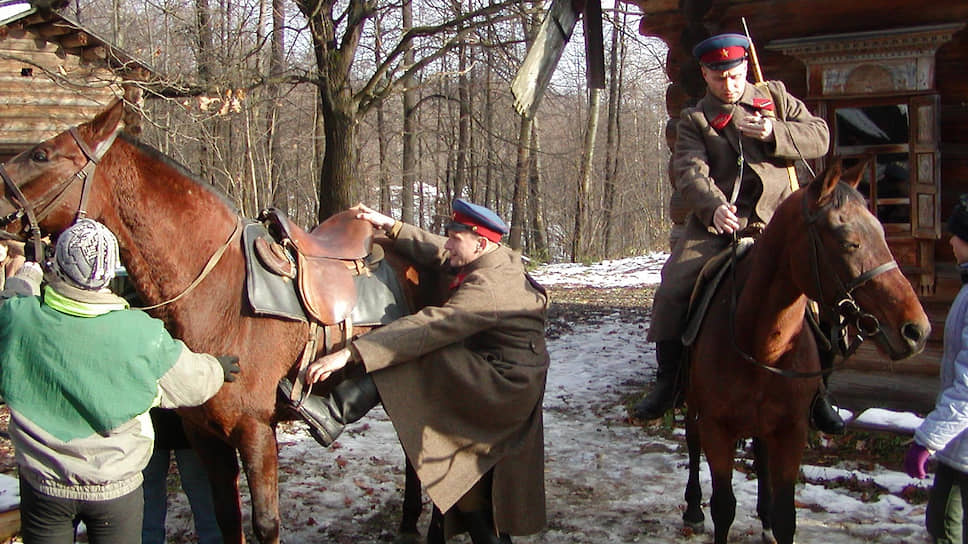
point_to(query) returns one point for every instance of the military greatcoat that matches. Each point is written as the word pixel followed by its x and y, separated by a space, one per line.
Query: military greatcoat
pixel 463 382
pixel 705 168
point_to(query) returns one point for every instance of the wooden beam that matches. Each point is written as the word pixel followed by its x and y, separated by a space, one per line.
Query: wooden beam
pixel 51 30
pixel 93 53
pixel 78 39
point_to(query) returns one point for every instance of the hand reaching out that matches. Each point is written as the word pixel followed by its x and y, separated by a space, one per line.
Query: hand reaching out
pixel 375 218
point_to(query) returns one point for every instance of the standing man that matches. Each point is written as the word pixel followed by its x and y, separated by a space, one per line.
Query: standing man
pixel 462 382
pixel 79 371
pixel 730 166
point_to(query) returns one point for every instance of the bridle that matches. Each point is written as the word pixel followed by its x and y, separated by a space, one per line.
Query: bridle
pixel 847 311
pixel 55 194
pixel 50 199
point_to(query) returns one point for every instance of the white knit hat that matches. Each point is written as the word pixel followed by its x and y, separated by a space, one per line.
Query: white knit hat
pixel 87 255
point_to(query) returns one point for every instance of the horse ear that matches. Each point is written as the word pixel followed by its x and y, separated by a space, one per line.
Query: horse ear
pixel 855 173
pixel 823 185
pixel 105 127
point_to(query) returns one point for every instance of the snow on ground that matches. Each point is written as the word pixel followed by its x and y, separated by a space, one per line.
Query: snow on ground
pixel 607 481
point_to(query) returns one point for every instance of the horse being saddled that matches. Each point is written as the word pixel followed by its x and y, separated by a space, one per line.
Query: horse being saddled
pixel 180 243
pixel 755 365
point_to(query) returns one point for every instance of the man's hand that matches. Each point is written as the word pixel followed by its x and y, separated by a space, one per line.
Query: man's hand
pixel 375 218
pixel 725 220
pixel 322 368
pixel 230 367
pixel 757 127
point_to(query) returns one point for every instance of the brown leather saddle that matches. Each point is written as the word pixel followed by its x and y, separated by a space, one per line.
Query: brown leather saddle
pixel 326 259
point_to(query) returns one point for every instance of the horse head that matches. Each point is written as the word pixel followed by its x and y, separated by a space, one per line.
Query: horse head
pixel 847 266
pixel 46 188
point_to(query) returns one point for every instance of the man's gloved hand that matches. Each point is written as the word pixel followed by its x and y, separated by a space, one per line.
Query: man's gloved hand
pixel 915 459
pixel 230 366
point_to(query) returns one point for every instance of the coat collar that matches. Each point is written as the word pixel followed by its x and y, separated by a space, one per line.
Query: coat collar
pixel 719 113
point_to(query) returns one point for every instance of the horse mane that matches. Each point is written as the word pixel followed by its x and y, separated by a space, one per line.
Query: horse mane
pixel 179 168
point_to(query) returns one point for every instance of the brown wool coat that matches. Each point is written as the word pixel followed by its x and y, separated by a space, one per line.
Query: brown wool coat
pixel 705 168
pixel 463 383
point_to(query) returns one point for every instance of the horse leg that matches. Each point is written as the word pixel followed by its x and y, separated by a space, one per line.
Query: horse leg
pixel 764 489
pixel 222 465
pixel 720 450
pixel 412 507
pixel 786 451
pixel 693 517
pixel 258 449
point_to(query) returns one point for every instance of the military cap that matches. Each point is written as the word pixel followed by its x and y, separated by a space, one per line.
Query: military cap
pixel 476 218
pixel 958 222
pixel 722 52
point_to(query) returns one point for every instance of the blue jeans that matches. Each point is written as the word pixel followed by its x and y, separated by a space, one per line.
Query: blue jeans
pixel 194 481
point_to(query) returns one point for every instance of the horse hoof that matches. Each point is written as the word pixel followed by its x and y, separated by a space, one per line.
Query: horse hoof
pixel 768 537
pixel 407 538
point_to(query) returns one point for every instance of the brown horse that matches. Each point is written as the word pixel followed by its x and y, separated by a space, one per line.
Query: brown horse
pixel 755 364
pixel 170 227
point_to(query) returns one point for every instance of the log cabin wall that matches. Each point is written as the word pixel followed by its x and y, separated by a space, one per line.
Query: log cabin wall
pixel 922 247
pixel 55 74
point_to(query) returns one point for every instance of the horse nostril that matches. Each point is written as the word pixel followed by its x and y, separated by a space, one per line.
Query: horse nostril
pixel 913 333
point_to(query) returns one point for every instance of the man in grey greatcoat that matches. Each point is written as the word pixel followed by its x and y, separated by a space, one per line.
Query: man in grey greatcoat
pixel 462 383
pixel 737 134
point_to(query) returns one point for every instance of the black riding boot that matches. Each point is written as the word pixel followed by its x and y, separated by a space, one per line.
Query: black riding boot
pixel 823 416
pixel 668 382
pixel 480 525
pixel 328 414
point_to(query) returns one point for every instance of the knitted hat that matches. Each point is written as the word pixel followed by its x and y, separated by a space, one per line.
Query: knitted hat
pixel 87 255
pixel 958 222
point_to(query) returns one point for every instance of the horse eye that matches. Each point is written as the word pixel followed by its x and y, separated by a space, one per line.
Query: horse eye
pixel 39 155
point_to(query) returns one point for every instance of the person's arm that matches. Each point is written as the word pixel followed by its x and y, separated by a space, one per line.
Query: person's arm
pixel 692 172
pixel 800 134
pixel 195 378
pixel 26 282
pixel 950 415
pixel 423 247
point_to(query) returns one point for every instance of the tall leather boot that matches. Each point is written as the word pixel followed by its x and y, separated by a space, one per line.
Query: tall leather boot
pixel 327 415
pixel 823 416
pixel 480 525
pixel 668 382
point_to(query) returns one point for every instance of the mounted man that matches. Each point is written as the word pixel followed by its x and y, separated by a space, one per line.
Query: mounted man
pixel 731 166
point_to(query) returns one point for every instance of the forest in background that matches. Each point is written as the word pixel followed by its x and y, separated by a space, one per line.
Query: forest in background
pixel 314 105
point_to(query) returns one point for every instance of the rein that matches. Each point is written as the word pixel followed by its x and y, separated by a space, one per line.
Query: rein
pixel 846 309
pixel 209 266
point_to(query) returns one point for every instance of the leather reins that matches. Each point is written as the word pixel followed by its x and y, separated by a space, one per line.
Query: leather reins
pixel 846 309
pixel 53 196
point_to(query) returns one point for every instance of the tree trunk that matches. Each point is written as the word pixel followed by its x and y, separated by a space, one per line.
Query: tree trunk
pixel 612 140
pixel 276 69
pixel 521 171
pixel 538 240
pixel 381 128
pixel 335 189
pixel 409 126
pixel 584 178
